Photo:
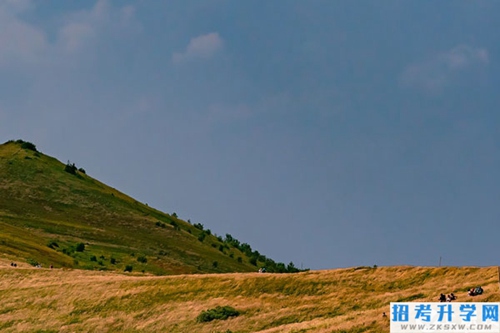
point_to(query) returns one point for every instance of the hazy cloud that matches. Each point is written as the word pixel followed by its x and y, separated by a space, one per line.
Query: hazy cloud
pixel 439 71
pixel 204 47
pixel 84 27
pixel 16 5
pixel 24 43
pixel 20 42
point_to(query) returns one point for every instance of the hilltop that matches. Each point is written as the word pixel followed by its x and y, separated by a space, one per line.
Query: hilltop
pixel 348 300
pixel 55 214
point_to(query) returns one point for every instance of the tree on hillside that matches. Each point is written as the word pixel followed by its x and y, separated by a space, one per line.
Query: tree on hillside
pixel 70 168
pixel 291 268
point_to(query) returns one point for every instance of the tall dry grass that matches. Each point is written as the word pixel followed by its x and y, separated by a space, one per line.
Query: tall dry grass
pixel 341 300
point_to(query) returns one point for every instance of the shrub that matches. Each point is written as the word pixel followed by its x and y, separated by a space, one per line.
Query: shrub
pixel 52 244
pixel 202 236
pixel 93 258
pixel 82 170
pixel 142 259
pixel 32 262
pixel 198 226
pixel 70 168
pixel 175 225
pixel 219 312
pixel 128 268
pixel 160 224
pixel 253 261
pixel 240 260
pixel 80 247
pixel 112 261
pixel 29 146
pixel 215 264
pixel 245 248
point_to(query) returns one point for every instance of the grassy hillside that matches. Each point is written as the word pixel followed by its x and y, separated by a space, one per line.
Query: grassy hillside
pixel 68 219
pixel 343 300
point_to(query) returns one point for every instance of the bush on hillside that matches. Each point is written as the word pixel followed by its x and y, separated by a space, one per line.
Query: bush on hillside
pixel 253 261
pixel 219 312
pixel 80 247
pixel 29 146
pixel 128 268
pixel 175 225
pixel 142 259
pixel 160 224
pixel 291 268
pixel 32 262
pixel 52 244
pixel 70 168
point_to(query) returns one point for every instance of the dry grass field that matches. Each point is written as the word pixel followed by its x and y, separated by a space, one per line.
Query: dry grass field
pixel 341 300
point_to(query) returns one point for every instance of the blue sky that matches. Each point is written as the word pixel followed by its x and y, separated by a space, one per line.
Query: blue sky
pixel 327 133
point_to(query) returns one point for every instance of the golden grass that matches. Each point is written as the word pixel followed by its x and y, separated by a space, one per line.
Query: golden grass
pixel 317 301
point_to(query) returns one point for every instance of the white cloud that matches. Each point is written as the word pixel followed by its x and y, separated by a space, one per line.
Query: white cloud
pixel 439 71
pixel 201 47
pixel 463 56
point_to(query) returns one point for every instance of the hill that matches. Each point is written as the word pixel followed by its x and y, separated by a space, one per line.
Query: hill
pixel 56 214
pixel 344 300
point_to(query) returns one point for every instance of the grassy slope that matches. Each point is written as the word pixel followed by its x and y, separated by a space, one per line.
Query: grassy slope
pixel 343 300
pixel 40 203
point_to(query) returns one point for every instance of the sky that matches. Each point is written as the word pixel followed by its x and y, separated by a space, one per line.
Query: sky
pixel 326 133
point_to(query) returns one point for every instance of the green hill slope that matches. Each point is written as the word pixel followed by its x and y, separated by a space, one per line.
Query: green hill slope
pixel 68 219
